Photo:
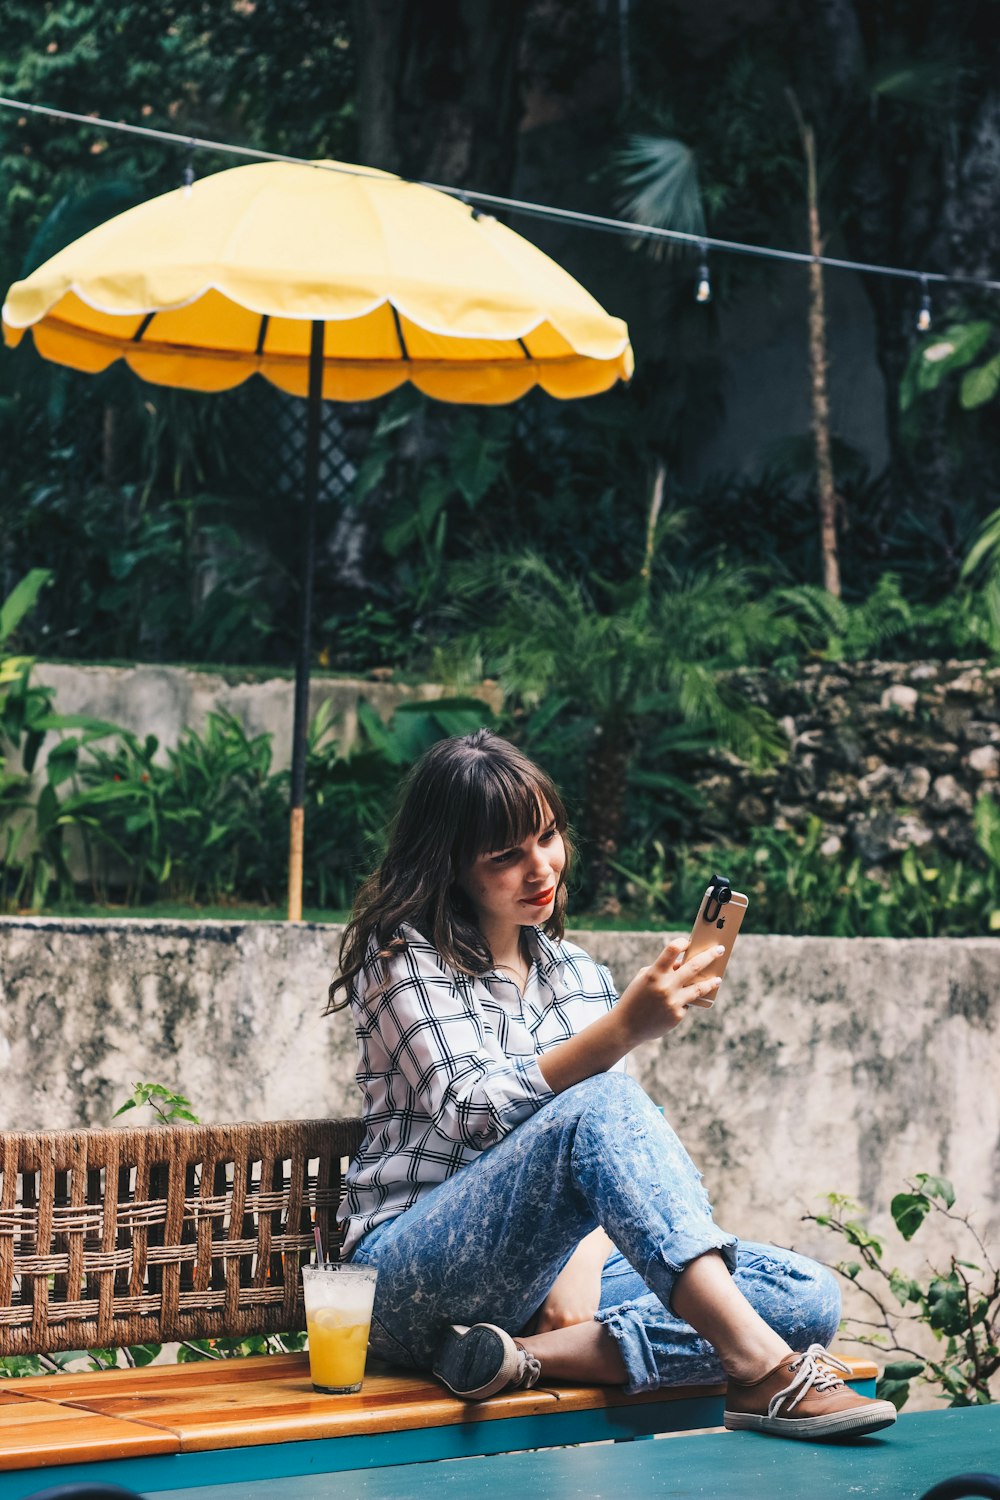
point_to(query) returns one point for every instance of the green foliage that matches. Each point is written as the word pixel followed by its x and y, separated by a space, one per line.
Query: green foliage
pixel 278 76
pixel 889 624
pixel 196 1351
pixel 24 706
pixel 943 354
pixel 154 575
pixel 660 183
pixel 844 632
pixel 608 664
pixel 77 1361
pixel 33 835
pixel 796 888
pixel 170 1107
pixel 960 1306
pixel 202 823
pixel 734 121
pixel 207 821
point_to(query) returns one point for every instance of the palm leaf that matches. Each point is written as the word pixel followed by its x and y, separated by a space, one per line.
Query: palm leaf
pixel 661 184
pixel 21 599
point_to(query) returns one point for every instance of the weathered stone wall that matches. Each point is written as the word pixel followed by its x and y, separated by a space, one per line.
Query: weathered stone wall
pixel 827 1064
pixel 891 755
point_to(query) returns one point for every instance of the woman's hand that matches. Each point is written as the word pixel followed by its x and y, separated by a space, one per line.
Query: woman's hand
pixel 575 1295
pixel 659 996
pixel 655 1002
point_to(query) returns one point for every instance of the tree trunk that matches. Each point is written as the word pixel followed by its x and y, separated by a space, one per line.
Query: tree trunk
pixel 819 394
pixel 438 88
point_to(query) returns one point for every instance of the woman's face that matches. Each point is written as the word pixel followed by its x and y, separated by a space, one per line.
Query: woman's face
pixel 517 886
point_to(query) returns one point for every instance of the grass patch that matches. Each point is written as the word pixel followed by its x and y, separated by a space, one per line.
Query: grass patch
pixel 178 911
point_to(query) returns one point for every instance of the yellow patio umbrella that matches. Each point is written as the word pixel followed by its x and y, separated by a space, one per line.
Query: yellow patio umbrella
pixel 334 282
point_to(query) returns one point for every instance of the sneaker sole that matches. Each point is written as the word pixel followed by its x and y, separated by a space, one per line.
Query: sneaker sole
pixel 476 1363
pixel 857 1423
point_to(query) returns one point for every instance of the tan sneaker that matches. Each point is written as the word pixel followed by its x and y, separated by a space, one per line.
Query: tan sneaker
pixel 804 1398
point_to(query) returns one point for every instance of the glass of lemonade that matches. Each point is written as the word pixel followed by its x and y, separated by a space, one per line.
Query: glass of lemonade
pixel 339 1301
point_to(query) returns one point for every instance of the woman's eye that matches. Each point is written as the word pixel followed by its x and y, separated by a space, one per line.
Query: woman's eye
pixel 549 835
pixel 502 859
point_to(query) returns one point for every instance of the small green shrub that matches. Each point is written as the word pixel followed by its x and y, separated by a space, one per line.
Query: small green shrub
pixel 795 887
pixel 959 1305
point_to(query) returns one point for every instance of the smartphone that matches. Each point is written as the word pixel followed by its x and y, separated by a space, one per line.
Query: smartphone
pixel 720 916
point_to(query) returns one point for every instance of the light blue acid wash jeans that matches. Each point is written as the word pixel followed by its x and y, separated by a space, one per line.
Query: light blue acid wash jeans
pixel 487 1244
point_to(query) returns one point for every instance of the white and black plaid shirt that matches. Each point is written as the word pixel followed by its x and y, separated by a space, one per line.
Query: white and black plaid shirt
pixel 448 1065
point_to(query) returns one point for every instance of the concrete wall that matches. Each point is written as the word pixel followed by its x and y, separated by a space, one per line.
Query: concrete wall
pixel 826 1064
pixel 165 701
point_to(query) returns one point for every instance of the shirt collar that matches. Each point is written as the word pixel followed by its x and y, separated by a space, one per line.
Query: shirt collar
pixel 545 950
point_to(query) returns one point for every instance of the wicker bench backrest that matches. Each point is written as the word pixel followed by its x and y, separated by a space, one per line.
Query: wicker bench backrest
pixel 133 1236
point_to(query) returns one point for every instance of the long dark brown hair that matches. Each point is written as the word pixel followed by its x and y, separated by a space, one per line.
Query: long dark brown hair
pixel 466 796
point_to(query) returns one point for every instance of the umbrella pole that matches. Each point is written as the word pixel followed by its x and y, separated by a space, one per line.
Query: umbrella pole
pixel 300 722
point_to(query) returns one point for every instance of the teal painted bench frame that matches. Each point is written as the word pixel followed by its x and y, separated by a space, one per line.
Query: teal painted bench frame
pixel 902 1463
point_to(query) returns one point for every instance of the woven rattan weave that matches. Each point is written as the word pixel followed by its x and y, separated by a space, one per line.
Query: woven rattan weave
pixel 114 1237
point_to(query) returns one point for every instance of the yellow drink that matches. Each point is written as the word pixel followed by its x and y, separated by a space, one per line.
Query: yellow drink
pixel 338 1345
pixel 338 1300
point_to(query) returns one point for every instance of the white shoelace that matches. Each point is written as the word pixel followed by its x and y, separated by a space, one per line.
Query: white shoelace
pixel 529 1370
pixel 810 1375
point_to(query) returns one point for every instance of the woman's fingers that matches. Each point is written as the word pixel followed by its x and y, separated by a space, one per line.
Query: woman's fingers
pixel 701 994
pixel 693 967
pixel 672 954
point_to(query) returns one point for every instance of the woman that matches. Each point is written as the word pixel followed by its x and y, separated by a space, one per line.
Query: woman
pixel 529 1211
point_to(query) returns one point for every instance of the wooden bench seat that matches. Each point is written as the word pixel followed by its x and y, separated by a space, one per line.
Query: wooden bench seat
pixel 172 1233
pixel 166 1426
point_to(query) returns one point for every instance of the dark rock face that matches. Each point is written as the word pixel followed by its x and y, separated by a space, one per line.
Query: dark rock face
pixel 891 756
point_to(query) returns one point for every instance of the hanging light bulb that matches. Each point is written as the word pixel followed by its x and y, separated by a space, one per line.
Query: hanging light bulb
pixel 703 292
pixel 924 315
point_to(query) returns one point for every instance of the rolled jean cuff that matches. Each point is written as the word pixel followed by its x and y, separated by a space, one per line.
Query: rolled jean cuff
pixel 626 1323
pixel 662 1271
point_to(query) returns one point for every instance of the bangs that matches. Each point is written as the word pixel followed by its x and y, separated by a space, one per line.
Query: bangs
pixel 503 807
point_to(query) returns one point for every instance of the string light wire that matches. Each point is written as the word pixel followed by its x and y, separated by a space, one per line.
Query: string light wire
pixel 513 205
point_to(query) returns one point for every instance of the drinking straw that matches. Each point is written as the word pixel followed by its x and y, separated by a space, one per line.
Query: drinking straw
pixel 320 1257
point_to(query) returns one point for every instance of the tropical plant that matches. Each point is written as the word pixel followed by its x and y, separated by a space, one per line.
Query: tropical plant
pixel 798 885
pixel 23 707
pixel 959 1304
pixel 205 821
pixel 202 824
pixel 350 794
pixel 953 351
pixel 612 665
pixel 34 860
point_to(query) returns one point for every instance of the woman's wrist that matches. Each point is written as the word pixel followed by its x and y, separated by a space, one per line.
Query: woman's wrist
pixel 618 1040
